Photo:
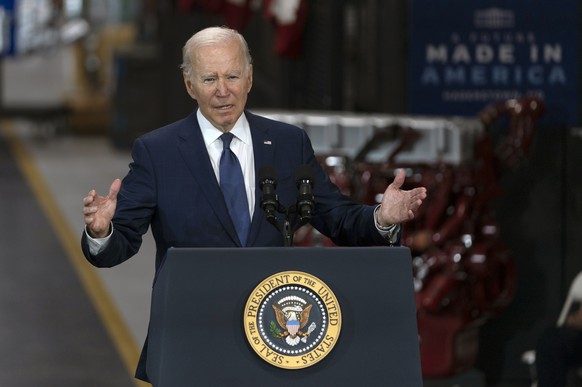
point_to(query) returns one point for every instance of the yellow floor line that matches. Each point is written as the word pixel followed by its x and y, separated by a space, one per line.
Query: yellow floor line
pixel 110 316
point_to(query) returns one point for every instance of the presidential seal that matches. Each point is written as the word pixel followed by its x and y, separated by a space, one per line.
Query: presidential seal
pixel 292 320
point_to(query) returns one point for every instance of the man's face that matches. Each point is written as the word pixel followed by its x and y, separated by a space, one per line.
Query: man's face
pixel 220 83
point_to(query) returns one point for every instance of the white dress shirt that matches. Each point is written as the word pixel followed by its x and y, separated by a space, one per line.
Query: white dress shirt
pixel 241 145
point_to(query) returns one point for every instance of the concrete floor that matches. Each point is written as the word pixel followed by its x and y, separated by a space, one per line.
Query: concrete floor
pixel 98 313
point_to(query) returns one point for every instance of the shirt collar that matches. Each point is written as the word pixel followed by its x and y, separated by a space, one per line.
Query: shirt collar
pixel 210 133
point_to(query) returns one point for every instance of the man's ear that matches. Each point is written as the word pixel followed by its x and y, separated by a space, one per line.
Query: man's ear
pixel 189 86
pixel 250 79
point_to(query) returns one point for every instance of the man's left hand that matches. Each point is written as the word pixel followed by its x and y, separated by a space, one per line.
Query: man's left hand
pixel 399 206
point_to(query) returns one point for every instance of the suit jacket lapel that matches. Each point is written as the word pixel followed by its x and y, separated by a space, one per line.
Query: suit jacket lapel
pixel 193 150
pixel 263 148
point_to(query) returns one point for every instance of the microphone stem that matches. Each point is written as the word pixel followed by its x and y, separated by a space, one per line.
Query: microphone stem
pixel 287 233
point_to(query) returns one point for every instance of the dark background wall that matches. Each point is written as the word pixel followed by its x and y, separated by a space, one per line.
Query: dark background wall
pixel 355 59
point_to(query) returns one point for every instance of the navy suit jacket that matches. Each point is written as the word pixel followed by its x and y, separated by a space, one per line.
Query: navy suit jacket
pixel 171 187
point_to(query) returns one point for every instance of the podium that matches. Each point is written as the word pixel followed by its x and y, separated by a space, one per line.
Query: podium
pixel 197 335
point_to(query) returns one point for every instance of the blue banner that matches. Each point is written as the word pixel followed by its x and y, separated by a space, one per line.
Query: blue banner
pixel 6 27
pixel 467 54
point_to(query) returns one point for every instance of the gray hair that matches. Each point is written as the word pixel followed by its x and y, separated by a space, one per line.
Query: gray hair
pixel 210 36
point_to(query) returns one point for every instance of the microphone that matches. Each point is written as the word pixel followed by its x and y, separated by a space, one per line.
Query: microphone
pixel 305 201
pixel 269 199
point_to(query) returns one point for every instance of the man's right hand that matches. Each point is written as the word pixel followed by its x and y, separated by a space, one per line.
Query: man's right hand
pixel 99 210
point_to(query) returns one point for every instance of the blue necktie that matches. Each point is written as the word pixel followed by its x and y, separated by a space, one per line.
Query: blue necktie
pixel 233 189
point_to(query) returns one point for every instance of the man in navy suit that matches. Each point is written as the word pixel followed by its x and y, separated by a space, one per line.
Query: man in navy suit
pixel 174 180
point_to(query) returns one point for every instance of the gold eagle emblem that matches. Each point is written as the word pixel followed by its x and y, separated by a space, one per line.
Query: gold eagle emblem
pixel 293 319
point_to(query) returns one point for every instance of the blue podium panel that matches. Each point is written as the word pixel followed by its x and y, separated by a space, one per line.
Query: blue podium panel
pixel 197 337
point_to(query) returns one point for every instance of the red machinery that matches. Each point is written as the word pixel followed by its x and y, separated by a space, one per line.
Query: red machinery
pixel 463 272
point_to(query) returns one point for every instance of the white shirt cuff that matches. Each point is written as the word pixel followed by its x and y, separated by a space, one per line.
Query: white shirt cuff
pixel 390 233
pixel 96 245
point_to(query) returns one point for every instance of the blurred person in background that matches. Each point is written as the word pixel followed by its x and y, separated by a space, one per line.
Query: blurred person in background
pixel 559 350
